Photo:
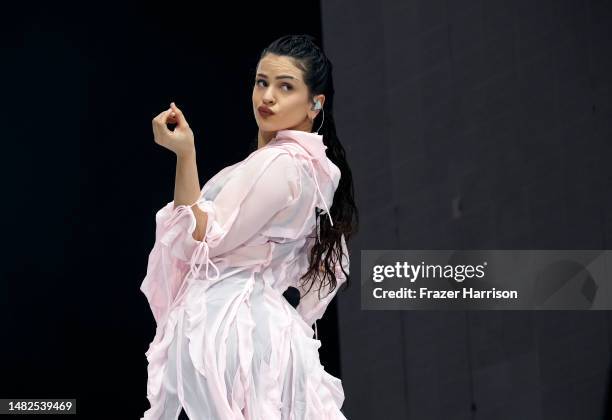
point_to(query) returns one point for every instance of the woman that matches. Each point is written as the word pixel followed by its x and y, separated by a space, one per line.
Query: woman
pixel 228 345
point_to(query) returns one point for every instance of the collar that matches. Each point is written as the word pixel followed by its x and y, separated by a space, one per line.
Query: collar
pixel 312 143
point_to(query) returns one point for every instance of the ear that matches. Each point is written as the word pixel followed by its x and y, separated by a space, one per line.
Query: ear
pixel 321 99
pixel 313 113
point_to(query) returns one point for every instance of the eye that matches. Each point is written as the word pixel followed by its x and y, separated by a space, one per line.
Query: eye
pixel 285 85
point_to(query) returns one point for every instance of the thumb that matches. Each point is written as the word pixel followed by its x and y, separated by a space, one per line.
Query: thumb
pixel 180 118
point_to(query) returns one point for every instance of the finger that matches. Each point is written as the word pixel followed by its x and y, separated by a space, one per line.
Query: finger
pixel 180 118
pixel 172 118
pixel 161 117
pixel 160 129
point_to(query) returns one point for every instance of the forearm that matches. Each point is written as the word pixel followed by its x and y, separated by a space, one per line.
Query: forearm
pixel 187 190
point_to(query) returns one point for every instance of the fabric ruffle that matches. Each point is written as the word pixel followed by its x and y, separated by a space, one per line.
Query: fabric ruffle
pixel 285 381
pixel 317 393
pixel 176 254
pixel 253 353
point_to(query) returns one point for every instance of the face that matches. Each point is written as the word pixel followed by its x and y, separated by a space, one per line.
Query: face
pixel 279 85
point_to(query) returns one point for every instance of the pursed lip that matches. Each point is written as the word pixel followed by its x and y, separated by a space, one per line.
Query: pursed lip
pixel 265 110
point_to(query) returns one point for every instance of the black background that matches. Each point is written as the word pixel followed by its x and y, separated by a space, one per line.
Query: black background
pixel 83 177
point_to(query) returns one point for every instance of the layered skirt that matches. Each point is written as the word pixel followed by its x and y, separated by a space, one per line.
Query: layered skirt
pixel 237 349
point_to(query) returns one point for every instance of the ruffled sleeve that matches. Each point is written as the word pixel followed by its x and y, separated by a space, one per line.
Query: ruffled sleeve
pixel 311 308
pixel 262 186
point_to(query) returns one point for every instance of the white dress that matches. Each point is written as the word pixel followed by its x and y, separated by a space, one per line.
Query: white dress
pixel 228 345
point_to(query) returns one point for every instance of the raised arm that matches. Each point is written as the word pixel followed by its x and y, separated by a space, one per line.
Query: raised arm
pixel 258 189
pixel 187 190
pixel 181 142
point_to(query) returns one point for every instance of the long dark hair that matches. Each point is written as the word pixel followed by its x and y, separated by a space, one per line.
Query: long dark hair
pixel 317 72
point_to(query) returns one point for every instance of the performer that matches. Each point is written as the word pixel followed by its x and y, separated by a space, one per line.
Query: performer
pixel 228 345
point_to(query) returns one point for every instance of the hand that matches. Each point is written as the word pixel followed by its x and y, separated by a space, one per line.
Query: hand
pixel 181 140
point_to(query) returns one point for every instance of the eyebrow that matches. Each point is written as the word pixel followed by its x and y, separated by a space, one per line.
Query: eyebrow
pixel 285 76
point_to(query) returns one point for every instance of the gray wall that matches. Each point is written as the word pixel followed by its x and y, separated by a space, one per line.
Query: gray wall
pixel 505 108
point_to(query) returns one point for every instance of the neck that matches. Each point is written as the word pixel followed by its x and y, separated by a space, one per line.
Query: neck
pixel 263 137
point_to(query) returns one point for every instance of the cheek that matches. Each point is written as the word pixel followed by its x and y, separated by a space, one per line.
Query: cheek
pixel 290 106
pixel 295 110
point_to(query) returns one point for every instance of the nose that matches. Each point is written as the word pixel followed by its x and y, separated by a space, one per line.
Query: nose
pixel 268 98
